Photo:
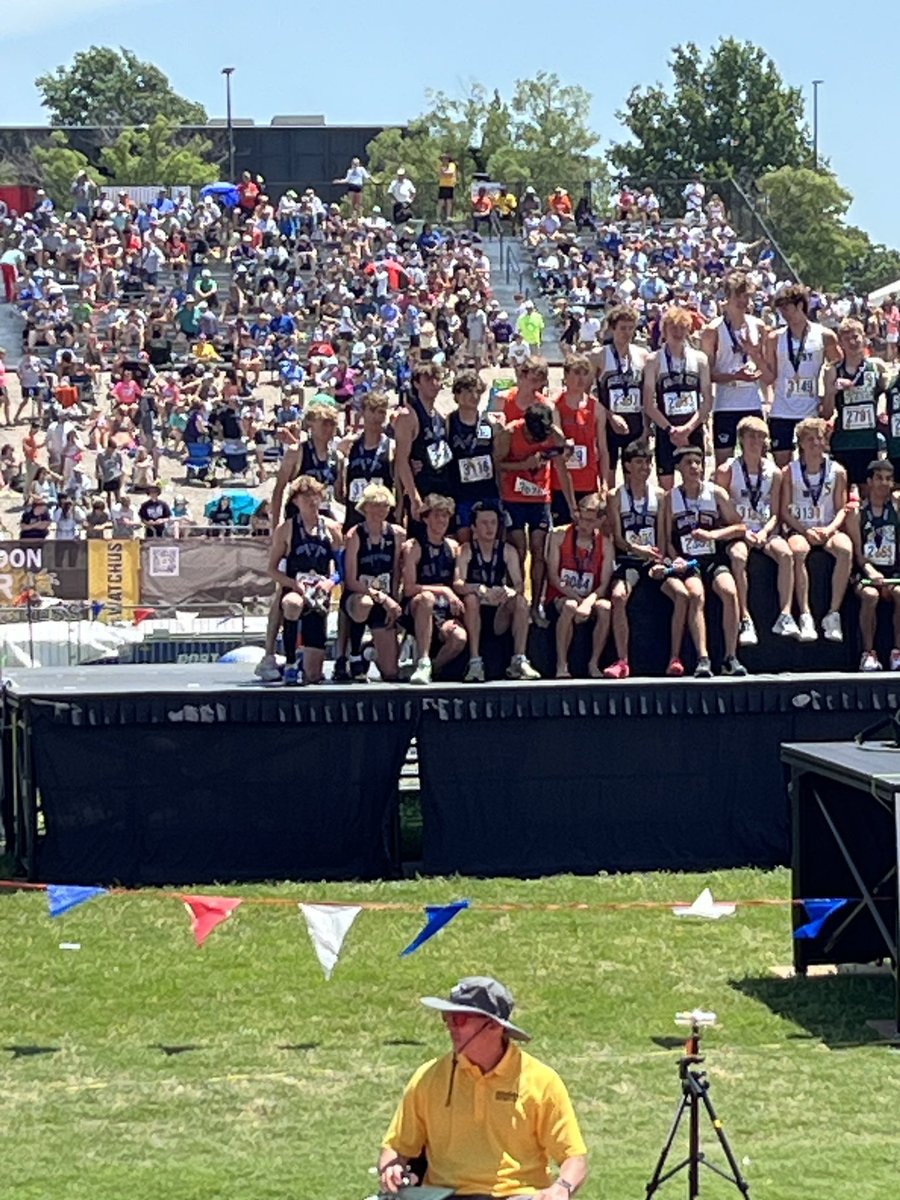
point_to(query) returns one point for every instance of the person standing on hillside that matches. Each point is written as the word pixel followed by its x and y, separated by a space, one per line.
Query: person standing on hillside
pixel 448 176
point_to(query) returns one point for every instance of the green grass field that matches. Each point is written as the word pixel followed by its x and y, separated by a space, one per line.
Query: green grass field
pixel 236 1072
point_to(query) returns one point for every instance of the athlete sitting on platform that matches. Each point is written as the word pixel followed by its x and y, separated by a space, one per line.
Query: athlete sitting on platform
pixel 813 495
pixel 698 520
pixel 433 609
pixel 634 522
pixel 302 562
pixel 489 579
pixel 873 530
pixel 371 582
pixel 580 561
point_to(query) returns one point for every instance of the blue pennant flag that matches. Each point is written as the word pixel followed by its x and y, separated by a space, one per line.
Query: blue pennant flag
pixel 818 912
pixel 61 897
pixel 97 607
pixel 436 917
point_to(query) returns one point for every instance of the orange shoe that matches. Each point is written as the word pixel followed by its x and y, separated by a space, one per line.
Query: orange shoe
pixel 675 667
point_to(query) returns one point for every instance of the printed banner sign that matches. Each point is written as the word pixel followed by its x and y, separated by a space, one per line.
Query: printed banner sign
pixel 204 571
pixel 114 578
pixel 44 568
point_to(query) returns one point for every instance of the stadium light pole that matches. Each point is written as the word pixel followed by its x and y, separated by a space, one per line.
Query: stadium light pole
pixel 228 72
pixel 816 83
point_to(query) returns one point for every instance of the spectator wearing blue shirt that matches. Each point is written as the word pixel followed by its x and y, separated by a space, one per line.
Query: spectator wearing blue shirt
pixel 163 205
pixel 282 325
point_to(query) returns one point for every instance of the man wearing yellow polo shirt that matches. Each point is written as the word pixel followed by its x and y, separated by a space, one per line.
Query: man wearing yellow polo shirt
pixel 489 1118
pixel 447 179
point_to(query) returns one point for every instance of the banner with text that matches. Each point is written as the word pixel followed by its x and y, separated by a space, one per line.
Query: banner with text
pixel 204 571
pixel 114 578
pixel 42 568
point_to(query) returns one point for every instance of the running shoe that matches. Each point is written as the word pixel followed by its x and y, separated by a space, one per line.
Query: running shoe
pixel 675 668
pixel 703 669
pixel 747 633
pixel 619 670
pixel 474 671
pixel 731 665
pixel 895 660
pixel 808 628
pixel 293 676
pixel 341 673
pixel 539 617
pixel 831 627
pixel 521 668
pixel 422 674
pixel 786 626
pixel 267 669
pixel 869 661
pixel 359 669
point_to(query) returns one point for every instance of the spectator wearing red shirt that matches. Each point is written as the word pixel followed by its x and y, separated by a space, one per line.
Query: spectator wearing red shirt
pixel 248 191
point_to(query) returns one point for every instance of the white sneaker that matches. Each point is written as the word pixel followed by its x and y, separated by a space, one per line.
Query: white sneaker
pixel 267 669
pixel 747 633
pixel 422 674
pixel 786 626
pixel 807 628
pixel 869 662
pixel 475 671
pixel 521 668
pixel 895 660
pixel 831 627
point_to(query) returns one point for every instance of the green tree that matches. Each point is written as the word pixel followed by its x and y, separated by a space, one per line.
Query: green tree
pixel 876 267
pixel 58 164
pixel 541 136
pixel 730 114
pixel 104 86
pixel 806 210
pixel 150 156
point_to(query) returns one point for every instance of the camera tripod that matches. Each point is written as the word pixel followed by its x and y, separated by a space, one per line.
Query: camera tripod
pixel 694 1096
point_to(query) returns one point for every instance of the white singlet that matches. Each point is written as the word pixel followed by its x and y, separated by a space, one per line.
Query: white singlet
pixel 751 494
pixel 735 397
pixel 796 392
pixel 811 506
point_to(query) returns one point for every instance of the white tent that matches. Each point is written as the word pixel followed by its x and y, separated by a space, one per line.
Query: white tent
pixel 882 293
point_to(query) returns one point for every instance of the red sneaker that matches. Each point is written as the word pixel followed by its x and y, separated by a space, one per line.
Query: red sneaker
pixel 675 667
pixel 619 670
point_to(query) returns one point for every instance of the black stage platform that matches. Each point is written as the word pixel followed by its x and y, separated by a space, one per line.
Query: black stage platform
pixel 845 804
pixel 186 774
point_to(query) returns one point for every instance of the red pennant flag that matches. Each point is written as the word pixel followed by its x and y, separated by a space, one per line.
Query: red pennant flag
pixel 207 912
pixel 142 614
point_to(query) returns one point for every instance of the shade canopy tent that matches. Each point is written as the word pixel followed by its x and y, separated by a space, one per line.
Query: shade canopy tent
pixel 223 193
pixel 884 293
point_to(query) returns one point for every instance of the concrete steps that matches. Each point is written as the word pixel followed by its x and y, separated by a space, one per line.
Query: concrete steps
pixel 11 326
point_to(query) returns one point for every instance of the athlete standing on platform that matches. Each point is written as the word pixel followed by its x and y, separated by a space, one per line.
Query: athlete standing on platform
pixel 302 562
pixel 677 394
pixel 813 496
pixel 531 385
pixel 753 482
pixel 734 345
pixel 620 386
pixel 471 435
pixel 853 389
pixel 368 456
pixel 580 561
pixel 698 520
pixel 583 425
pixel 795 355
pixel 489 579
pixel 422 458
pixel 874 530
pixel 634 523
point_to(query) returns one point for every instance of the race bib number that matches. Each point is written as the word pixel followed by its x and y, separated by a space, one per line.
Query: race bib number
pixel 581 582
pixel 439 454
pixel 524 487
pixel 476 470
pixel 485 433
pixel 693 547
pixel 680 404
pixel 858 416
pixel 578 458
pixel 641 537
pixel 801 387
pixel 623 401
pixel 809 515
pixel 755 518
pixel 358 486
pixel 381 583
pixel 895 425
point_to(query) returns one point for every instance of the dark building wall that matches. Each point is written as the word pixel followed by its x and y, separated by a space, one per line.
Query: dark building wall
pixel 287 156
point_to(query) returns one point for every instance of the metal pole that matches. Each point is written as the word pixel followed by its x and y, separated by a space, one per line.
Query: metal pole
pixel 815 84
pixel 228 72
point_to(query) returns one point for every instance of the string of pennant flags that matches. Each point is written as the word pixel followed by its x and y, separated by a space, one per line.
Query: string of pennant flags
pixel 329 923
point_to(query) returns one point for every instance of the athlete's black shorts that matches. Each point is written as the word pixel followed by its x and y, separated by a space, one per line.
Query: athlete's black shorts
pixel 717 564
pixel 313 627
pixel 725 427
pixel 627 566
pixel 535 515
pixel 855 461
pixel 377 618
pixel 616 443
pixel 781 433
pixel 559 507
pixel 665 451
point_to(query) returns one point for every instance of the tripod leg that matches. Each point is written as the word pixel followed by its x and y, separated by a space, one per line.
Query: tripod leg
pixel 739 1181
pixel 658 1177
pixel 694 1140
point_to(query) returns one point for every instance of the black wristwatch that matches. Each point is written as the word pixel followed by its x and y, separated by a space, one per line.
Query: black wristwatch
pixel 570 1187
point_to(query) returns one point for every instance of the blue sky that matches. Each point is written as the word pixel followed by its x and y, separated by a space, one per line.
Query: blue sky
pixel 360 63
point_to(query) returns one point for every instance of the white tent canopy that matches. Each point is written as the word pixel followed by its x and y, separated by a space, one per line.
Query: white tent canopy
pixel 882 293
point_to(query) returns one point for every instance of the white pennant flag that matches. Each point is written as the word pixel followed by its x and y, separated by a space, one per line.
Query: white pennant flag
pixel 705 906
pixel 328 925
